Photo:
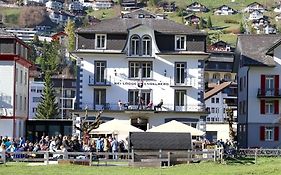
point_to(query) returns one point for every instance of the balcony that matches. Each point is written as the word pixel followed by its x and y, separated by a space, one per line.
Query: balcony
pixel 187 82
pixel 132 108
pixel 103 82
pixel 269 93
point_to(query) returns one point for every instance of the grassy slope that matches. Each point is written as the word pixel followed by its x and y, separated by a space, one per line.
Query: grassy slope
pixel 264 166
pixel 11 15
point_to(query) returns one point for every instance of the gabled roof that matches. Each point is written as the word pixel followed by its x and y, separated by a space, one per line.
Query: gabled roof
pixel 224 6
pixel 255 49
pixel 254 3
pixel 216 90
pixel 195 3
pixel 5 34
pixel 127 21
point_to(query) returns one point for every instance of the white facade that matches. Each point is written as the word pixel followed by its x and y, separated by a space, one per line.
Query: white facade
pixel 255 15
pixel 13 98
pixel 35 93
pixel 54 5
pixel 181 101
pixel 25 34
pixel 224 10
pixel 36 90
pixel 75 6
pixel 102 4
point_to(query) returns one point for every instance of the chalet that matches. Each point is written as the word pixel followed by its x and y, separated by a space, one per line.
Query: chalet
pixel 194 20
pixel 255 15
pixel 254 6
pixel 225 10
pixel 54 5
pixel 102 4
pixel 196 7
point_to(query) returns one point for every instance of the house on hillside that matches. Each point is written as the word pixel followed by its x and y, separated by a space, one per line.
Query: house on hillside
pixel 194 20
pixel 132 66
pixel 102 4
pixel 76 7
pixel 258 66
pixel 278 17
pixel 61 17
pixel 54 5
pixel 277 9
pixel 196 7
pixel 168 6
pixel 254 6
pixel 127 4
pixel 224 10
pixel 220 46
pixel 255 15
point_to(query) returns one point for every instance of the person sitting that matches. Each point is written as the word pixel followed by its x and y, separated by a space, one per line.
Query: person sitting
pixel 141 102
pixel 149 105
pixel 159 105
pixel 120 104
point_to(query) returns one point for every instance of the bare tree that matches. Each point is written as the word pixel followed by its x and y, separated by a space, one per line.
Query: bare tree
pixel 85 127
pixel 32 16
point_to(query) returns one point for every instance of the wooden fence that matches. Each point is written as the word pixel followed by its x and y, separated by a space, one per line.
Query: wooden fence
pixel 89 158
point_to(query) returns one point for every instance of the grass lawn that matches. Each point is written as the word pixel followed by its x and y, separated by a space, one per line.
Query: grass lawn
pixel 11 15
pixel 264 166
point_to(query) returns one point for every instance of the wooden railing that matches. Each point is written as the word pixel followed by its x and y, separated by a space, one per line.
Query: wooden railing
pixel 88 158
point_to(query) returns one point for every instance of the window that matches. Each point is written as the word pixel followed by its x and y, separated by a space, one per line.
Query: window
pixel 269 133
pixel 20 102
pixel 212 100
pixel 39 91
pixel 134 93
pixel 227 77
pixel 180 73
pixel 135 45
pixel 25 78
pixel 179 97
pixel 24 103
pixel 217 100
pixel 100 41
pixel 140 69
pixel 36 99
pixel 100 96
pixel 269 85
pixel 180 42
pixel 212 110
pixel 146 45
pixel 17 71
pixel 100 71
pixel 33 90
pixel 269 107
pixel 216 77
pixel 34 110
pixel 21 77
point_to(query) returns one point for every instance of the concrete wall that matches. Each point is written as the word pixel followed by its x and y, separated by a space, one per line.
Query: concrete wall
pixel 222 130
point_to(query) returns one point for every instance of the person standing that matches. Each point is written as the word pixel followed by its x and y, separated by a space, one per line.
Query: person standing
pixel 114 146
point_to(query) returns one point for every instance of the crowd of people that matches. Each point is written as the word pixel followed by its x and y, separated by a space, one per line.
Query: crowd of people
pixel 61 143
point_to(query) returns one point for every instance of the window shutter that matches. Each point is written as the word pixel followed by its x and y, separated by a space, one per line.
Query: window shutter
pixel 262 106
pixel 262 133
pixel 276 106
pixel 276 133
pixel 262 84
pixel 276 85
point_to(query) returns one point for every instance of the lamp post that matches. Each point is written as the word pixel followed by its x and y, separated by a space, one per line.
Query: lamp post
pixel 62 96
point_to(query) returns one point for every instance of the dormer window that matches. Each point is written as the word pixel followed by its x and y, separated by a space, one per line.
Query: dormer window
pixel 146 45
pixel 180 42
pixel 135 45
pixel 100 41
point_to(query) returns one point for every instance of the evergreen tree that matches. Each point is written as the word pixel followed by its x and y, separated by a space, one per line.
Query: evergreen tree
pixel 209 23
pixel 242 29
pixel 69 30
pixel 47 108
pixel 49 59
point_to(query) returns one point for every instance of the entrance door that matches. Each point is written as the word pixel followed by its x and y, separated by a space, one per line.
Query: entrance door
pixel 140 123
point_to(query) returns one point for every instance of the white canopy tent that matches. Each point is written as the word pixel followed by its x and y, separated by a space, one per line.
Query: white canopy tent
pixel 116 127
pixel 175 126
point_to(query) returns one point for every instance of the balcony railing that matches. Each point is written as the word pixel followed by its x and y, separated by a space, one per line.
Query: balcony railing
pixel 95 82
pixel 190 82
pixel 269 93
pixel 135 107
